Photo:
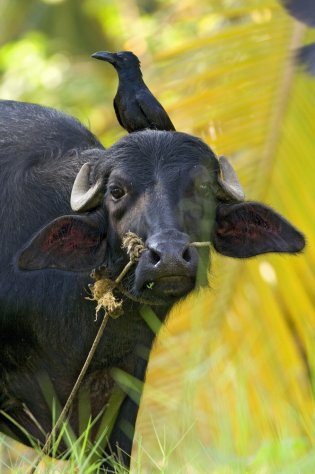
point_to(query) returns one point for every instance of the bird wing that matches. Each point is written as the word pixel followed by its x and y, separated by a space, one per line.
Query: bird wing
pixel 151 108
pixel 118 114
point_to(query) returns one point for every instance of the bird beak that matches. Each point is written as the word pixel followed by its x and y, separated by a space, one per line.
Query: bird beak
pixel 104 56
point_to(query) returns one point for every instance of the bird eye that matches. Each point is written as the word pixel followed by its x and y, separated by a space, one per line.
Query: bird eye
pixel 117 192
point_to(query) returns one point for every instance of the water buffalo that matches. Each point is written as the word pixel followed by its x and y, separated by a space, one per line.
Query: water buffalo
pixel 167 187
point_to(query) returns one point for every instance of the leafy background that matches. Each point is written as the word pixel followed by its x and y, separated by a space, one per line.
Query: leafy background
pixel 230 380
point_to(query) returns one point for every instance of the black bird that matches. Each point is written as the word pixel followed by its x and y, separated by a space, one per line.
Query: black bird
pixel 135 106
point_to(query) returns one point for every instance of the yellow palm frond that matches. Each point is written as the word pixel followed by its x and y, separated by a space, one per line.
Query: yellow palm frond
pixel 236 361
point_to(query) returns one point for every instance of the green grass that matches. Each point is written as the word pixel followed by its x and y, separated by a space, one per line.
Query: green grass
pixel 285 456
pixel 81 455
pixel 173 451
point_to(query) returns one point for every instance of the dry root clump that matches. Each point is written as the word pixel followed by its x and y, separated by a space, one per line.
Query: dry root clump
pixel 102 293
pixel 102 289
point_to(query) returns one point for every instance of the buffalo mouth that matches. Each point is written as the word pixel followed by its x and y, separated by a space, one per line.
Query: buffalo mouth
pixel 168 286
pixel 167 269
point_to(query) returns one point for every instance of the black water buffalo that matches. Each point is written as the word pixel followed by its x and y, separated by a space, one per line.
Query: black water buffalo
pixel 167 187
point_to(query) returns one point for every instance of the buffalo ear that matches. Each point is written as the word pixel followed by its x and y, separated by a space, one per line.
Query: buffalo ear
pixel 68 243
pixel 249 228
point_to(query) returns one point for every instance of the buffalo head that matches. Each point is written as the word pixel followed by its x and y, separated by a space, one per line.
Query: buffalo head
pixel 170 189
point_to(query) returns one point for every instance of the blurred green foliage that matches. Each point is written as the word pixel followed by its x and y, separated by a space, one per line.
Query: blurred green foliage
pixel 46 47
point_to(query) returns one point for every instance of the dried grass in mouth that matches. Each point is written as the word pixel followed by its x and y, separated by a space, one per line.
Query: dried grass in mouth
pixel 102 289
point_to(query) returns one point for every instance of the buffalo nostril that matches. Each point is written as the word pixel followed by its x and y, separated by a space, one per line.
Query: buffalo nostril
pixel 154 257
pixel 186 254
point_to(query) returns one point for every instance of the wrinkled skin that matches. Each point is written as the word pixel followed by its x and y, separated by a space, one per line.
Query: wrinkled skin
pixel 158 185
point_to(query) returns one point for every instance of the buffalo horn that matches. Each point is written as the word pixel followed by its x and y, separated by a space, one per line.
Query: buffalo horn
pixel 229 185
pixel 83 196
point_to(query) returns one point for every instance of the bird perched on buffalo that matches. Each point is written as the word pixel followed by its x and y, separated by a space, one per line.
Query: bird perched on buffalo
pixel 135 106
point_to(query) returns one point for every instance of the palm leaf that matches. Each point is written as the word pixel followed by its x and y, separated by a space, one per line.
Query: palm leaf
pixel 241 355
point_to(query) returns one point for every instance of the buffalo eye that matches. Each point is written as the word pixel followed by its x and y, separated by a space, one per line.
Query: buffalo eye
pixel 117 192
